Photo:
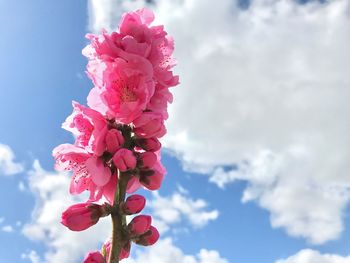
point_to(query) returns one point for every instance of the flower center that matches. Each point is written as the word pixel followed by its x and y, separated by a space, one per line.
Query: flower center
pixel 127 95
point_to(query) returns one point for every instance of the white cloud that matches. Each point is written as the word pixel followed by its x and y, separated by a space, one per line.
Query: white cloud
pixel 7 229
pixel 52 198
pixel 264 90
pixel 7 164
pixel 179 206
pixel 21 186
pixel 312 256
pixel 32 256
pixel 164 251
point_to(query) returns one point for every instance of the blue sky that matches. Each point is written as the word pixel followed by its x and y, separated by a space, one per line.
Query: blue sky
pixel 279 118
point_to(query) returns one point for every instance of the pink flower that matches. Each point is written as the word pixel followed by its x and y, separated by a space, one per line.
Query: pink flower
pixel 160 46
pixel 159 101
pixel 126 89
pixel 94 257
pixel 108 190
pixel 124 159
pixel 89 172
pixel 137 37
pixel 89 126
pixel 133 204
pixel 124 253
pixel 79 217
pixel 114 140
pixel 148 238
pixel 139 225
pixel 148 144
pixel 149 124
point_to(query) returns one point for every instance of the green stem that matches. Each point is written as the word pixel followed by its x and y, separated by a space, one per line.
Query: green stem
pixel 118 221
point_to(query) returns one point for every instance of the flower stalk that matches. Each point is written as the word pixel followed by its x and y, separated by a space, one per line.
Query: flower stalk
pixel 117 148
pixel 119 237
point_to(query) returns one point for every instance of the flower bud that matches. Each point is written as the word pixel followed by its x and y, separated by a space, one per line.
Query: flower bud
pixel 149 124
pixel 124 159
pixel 148 238
pixel 152 179
pixel 124 252
pixel 139 225
pixel 148 159
pixel 149 144
pixel 114 140
pixel 133 204
pixel 79 217
pixel 133 185
pixel 94 257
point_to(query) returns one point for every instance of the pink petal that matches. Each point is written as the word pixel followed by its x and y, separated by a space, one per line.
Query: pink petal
pixel 100 174
pixel 133 185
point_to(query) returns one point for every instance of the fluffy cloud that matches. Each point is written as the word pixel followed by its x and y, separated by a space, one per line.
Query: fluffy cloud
pixel 52 197
pixel 312 256
pixel 7 164
pixel 7 229
pixel 273 85
pixel 173 209
pixel 166 252
pixel 32 256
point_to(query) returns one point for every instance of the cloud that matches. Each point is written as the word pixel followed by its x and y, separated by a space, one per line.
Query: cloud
pixel 7 229
pixel 312 256
pixel 52 198
pixel 32 256
pixel 164 251
pixel 7 164
pixel 178 207
pixel 264 99
pixel 21 186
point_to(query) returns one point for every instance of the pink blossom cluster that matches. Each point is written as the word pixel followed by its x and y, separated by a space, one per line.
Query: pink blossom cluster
pixel 117 146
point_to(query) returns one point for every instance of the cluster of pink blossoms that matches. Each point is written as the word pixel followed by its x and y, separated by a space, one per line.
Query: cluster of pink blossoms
pixel 117 148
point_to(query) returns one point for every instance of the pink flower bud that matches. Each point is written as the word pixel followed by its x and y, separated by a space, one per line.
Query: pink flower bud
pixel 124 252
pixel 124 159
pixel 94 257
pixel 133 185
pixel 148 238
pixel 149 124
pixel 148 159
pixel 140 225
pixel 79 217
pixel 114 140
pixel 149 144
pixel 152 179
pixel 133 204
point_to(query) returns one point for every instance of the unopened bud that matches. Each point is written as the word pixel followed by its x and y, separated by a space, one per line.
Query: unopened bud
pixel 149 144
pixel 79 217
pixel 133 204
pixel 148 238
pixel 94 257
pixel 124 159
pixel 139 225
